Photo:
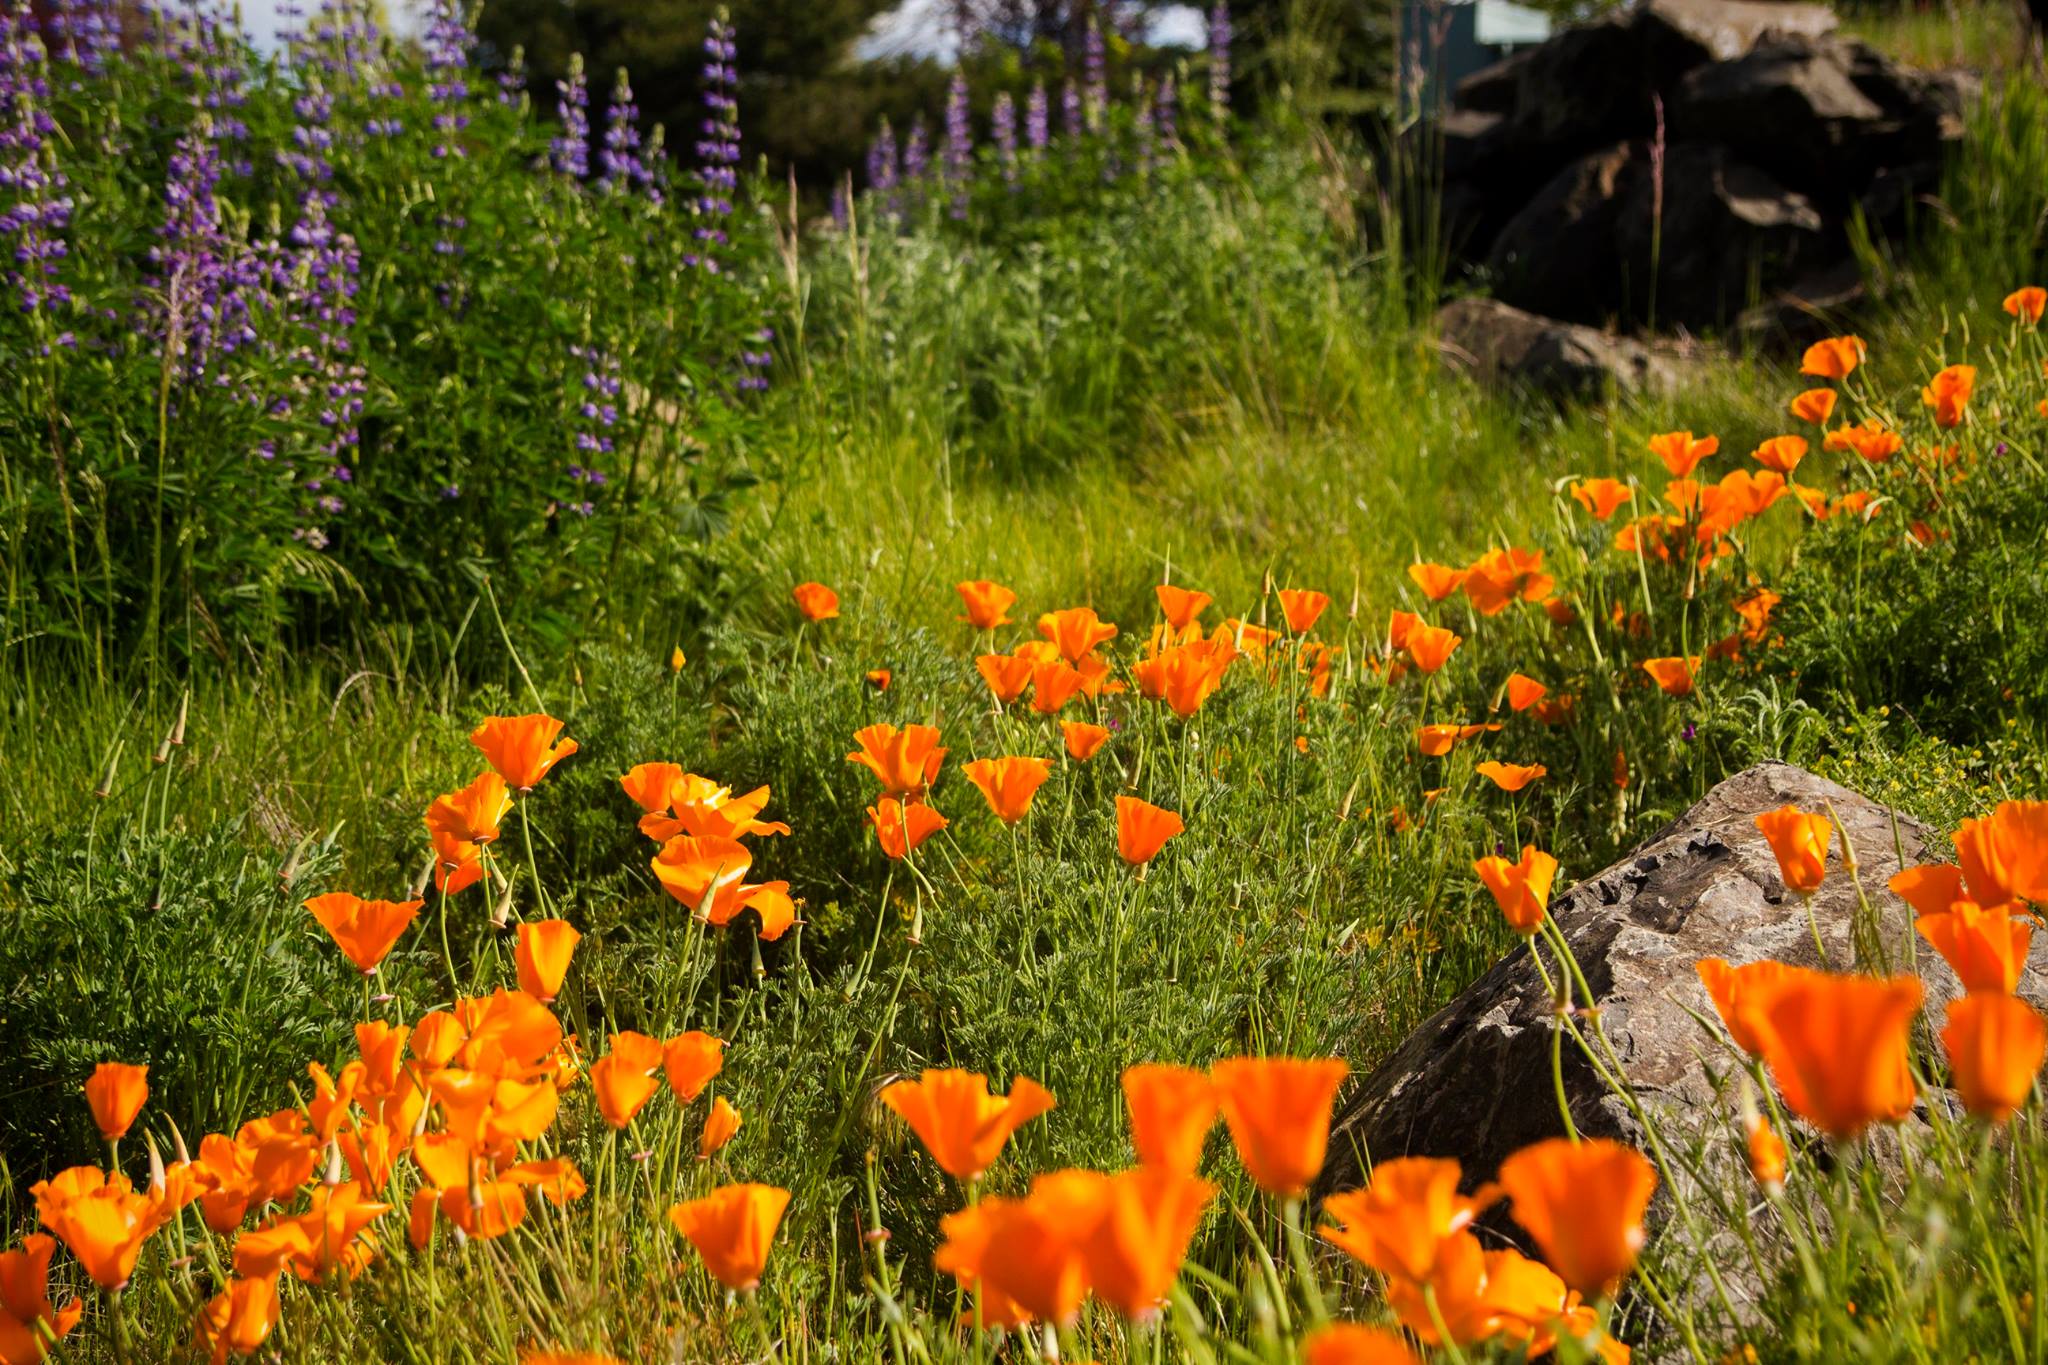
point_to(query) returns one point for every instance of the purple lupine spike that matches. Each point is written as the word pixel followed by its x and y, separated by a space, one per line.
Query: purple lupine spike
pixel 1169 113
pixel 842 207
pixel 883 172
pixel 755 364
pixel 1219 58
pixel 598 408
pixel 1037 119
pixel 957 155
pixel 569 152
pixel 622 166
pixel 1095 67
pixel 448 45
pixel 1070 111
pixel 1004 118
pixel 34 208
pixel 917 152
pixel 87 32
pixel 718 151
pixel 512 80
pixel 201 276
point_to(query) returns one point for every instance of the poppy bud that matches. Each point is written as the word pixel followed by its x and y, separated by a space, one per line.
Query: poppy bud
pixel 178 1147
pixel 157 1178
pixel 177 736
pixel 106 787
pixel 334 1174
pixel 290 871
pixel 502 914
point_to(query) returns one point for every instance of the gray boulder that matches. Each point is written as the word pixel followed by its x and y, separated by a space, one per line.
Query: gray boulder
pixel 1503 346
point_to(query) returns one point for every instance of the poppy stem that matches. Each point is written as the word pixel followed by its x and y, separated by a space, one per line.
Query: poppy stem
pixel 1813 923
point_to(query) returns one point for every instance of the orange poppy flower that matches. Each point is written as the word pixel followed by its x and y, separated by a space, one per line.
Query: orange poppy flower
pixel 905 761
pixel 899 829
pixel 1765 1150
pixel 1142 829
pixel 708 876
pixel 1511 777
pixel 1437 740
pixel 986 603
pixel 676 660
pixel 116 1093
pixel 1400 625
pixel 1084 740
pixel 1683 495
pixel 1583 1202
pixel 237 1320
pixel 1983 857
pixel 1053 685
pixel 1524 692
pixel 690 1061
pixel 1075 632
pixel 1799 839
pixel 568 1358
pixel 1930 888
pixel 1278 1112
pixel 1183 677
pixel 1502 576
pixel 1302 608
pixel 963 1253
pixel 1682 454
pixel 1008 783
pixel 2027 304
pixel 1986 947
pixel 1007 675
pixel 816 601
pixel 28 1317
pixel 457 865
pixel 1437 581
pixel 1399 1223
pixel 1601 496
pixel 1348 1343
pixel 1621 768
pixel 721 1125
pixel 2019 832
pixel 1994 1043
pixel 1815 406
pixel 1783 453
pixel 1948 393
pixel 1134 1252
pixel 1740 995
pixel 1098 679
pixel 1834 358
pixel 1870 440
pixel 471 815
pixel 1837 1047
pixel 1029 1256
pixel 521 748
pixel 623 1079
pixel 1172 1110
pixel 732 1229
pixel 879 678
pixel 1521 889
pixel 364 930
pixel 1674 676
pixel 101 1219
pixel 1181 605
pixel 960 1123
pixel 1430 647
pixel 542 957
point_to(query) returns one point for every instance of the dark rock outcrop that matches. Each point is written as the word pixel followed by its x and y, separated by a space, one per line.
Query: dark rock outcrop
pixel 1499 344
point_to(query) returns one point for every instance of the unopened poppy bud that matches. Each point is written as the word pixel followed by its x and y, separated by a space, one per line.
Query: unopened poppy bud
pixel 759 970
pixel 420 880
pixel 178 730
pixel 334 1174
pixel 106 787
pixel 178 1147
pixel 290 871
pixel 163 752
pixel 157 1178
pixel 502 915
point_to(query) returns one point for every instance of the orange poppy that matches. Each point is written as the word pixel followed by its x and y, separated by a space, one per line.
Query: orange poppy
pixel 471 815
pixel 1994 1043
pixel 677 802
pixel 1278 1112
pixel 1183 677
pixel 1783 453
pixel 2027 304
pixel 905 761
pixel 1521 889
pixel 1430 647
pixel 101 1219
pixel 1400 1221
pixel 364 930
pixel 708 876
pixel 1348 1343
pixel 1030 1256
pixel 568 1358
pixel 1511 777
pixel 1948 393
pixel 542 957
pixel 960 1123
pixel 879 678
pixel 1084 740
pixel 899 829
pixel 1181 605
pixel 28 1317
pixel 968 1235
pixel 1502 576
pixel 1674 676
pixel 986 603
pixel 1834 358
pixel 721 1125
pixel 1621 768
pixel 1524 692
pixel 1075 632
pixel 1400 625
pixel 676 660
pixel 1147 1218
pixel 1837 1047
pixel 1601 496
pixel 816 601
pixel 1437 740
pixel 1172 1110
pixel 237 1320
pixel 1815 406
pixel 623 1079
pixel 1683 495
pixel 1869 439
pixel 1986 947
pixel 1680 453
pixel 1799 839
pixel 1437 581
pixel 732 1229
pixel 1983 857
pixel 1007 675
pixel 1053 685
pixel 521 748
pixel 1302 608
pixel 457 865
pixel 116 1092
pixel 2019 833
pixel 1142 829
pixel 1008 783
pixel 1583 1202
pixel 1740 995
pixel 1097 678
pixel 690 1061
pixel 1765 1150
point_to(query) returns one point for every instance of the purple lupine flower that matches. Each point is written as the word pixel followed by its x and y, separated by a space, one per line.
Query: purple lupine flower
pixel 753 364
pixel 89 30
pixel 34 208
pixel 1095 66
pixel 569 152
pixel 1005 119
pixel 1037 120
pixel 917 152
pixel 599 409
pixel 957 154
pixel 622 164
pixel 1070 111
pixel 883 171
pixel 1219 58
pixel 1169 113
pixel 718 151
pixel 202 276
pixel 512 80
pixel 448 44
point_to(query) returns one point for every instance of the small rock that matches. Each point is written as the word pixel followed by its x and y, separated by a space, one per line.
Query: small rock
pixel 1499 344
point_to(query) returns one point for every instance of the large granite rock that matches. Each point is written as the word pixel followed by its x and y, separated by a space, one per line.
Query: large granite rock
pixel 1474 1082
pixel 1500 345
